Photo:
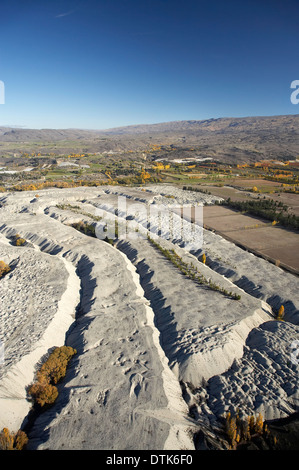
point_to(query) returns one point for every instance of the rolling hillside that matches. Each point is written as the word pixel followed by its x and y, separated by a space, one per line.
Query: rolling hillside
pixel 225 139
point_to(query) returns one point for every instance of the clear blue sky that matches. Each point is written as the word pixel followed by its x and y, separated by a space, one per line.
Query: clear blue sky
pixel 101 64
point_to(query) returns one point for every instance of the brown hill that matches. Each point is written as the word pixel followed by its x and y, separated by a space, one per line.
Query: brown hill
pixel 225 139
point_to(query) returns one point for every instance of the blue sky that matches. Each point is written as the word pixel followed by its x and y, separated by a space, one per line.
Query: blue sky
pixel 101 64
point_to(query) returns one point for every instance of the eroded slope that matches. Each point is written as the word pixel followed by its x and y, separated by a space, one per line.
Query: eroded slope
pixel 142 328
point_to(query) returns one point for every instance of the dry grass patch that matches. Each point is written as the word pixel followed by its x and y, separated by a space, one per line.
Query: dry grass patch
pixel 4 268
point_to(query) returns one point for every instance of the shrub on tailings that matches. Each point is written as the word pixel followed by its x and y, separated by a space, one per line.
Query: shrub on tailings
pixel 55 366
pixel 43 391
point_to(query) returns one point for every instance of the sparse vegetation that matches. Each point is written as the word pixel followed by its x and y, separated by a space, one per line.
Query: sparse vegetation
pixel 90 230
pixel 237 429
pixel 44 391
pixel 280 315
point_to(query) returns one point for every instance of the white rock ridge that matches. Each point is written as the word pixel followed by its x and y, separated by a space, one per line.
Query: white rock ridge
pixel 142 329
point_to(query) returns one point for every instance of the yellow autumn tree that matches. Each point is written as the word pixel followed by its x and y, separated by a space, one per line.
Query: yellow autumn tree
pixel 6 440
pixel 55 366
pixel 43 393
pixel 144 174
pixel 4 268
pixel 18 240
pixel 237 429
pixel 259 424
pixel 280 314
pixel 20 440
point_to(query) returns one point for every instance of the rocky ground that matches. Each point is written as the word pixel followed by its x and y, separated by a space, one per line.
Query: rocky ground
pixel 160 356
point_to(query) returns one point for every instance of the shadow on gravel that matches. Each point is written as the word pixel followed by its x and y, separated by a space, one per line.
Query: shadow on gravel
pixel 164 319
pixel 36 424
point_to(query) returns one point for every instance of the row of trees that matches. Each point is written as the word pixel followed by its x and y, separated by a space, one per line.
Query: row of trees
pixel 268 209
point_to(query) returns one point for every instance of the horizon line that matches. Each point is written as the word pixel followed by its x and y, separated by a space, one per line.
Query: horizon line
pixel 24 127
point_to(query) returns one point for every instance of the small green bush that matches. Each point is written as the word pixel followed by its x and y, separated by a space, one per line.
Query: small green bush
pixel 85 228
pixel 43 393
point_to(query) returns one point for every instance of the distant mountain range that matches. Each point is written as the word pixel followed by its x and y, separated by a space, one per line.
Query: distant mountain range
pixel 225 139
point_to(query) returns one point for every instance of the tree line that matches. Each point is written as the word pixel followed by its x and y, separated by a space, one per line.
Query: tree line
pixel 266 208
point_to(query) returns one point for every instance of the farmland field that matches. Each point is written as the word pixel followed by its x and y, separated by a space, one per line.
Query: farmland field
pixel 258 235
